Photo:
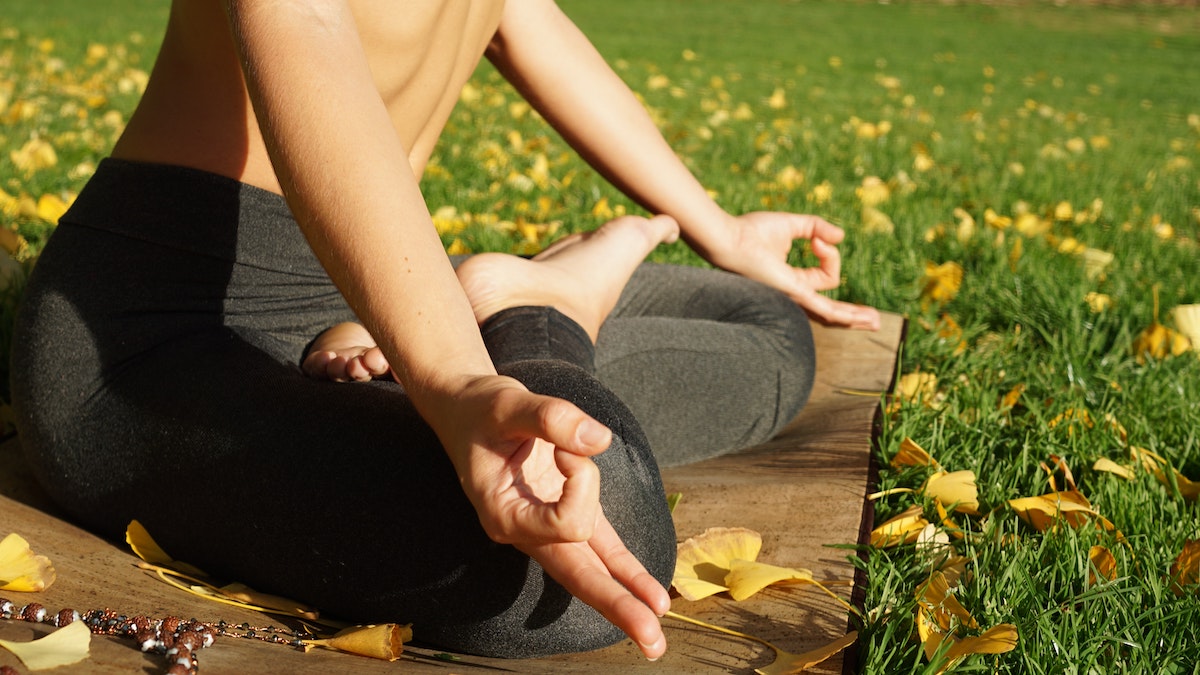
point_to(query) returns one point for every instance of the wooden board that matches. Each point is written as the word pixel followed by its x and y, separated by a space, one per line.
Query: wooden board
pixel 804 491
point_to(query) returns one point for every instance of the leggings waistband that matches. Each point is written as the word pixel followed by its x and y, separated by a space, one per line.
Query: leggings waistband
pixel 194 211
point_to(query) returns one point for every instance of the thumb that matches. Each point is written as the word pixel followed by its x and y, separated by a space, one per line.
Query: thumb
pixel 563 424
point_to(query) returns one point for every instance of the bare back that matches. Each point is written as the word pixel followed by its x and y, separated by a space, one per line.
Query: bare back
pixel 196 111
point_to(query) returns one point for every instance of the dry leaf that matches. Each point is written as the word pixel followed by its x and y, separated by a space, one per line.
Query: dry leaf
pixel 144 547
pixel 911 454
pixel 1157 341
pixel 747 577
pixel 1095 262
pixel 1187 319
pixel 1102 562
pixel 876 221
pixel 902 529
pixel 703 561
pixel 940 283
pixel 63 647
pixel 1009 400
pixel 1188 488
pixel 787 663
pixel 1185 571
pixel 21 569
pixel 1107 465
pixel 1045 511
pixel 956 489
pixel 1150 461
pixel 382 641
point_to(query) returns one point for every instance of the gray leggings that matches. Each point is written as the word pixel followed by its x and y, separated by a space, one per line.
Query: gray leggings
pixel 156 377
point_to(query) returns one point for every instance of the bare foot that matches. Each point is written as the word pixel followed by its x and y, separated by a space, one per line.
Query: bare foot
pixel 580 276
pixel 345 353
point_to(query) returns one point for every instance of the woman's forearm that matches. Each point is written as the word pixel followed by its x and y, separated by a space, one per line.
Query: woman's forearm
pixel 554 66
pixel 345 174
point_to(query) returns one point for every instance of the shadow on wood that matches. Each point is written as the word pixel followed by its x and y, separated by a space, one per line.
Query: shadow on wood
pixel 803 490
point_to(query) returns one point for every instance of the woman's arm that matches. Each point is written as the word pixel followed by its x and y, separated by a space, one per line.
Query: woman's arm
pixel 522 459
pixel 554 66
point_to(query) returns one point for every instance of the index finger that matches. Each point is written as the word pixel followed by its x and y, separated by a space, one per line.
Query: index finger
pixel 584 575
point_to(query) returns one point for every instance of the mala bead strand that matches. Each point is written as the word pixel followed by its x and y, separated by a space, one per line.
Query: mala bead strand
pixel 174 638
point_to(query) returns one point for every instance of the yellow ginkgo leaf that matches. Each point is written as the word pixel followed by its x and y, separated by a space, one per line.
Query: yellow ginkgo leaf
pixel 144 547
pixel 1108 466
pixel 703 561
pixel 1095 262
pixel 940 283
pixel 381 641
pixel 1150 461
pixel 275 603
pixel 1010 400
pixel 1187 320
pixel 944 609
pixel 911 454
pixel 1045 511
pixel 965 229
pixel 1102 563
pixel 35 155
pixel 876 221
pixel 747 577
pixel 955 488
pixel 63 647
pixel 1189 489
pixel 902 529
pixel 1157 341
pixel 998 639
pixel 1098 302
pixel 950 332
pixel 1185 571
pixel 21 569
pixel 788 664
pixel 50 208
pixel 1071 417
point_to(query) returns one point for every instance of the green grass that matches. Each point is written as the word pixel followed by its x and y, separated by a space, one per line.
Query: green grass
pixel 1021 107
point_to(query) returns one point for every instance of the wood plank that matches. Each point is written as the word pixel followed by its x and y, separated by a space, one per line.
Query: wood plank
pixel 803 491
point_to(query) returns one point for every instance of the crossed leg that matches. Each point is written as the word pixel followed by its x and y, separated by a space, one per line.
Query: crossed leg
pixel 582 277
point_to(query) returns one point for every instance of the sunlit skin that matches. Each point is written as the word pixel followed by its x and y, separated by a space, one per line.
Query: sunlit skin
pixel 336 105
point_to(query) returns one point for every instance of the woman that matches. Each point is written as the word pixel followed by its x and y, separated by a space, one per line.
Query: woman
pixel 266 191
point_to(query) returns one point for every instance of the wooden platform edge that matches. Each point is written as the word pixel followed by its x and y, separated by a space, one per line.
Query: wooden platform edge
pixel 858 597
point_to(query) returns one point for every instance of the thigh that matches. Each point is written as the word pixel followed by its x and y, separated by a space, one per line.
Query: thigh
pixel 338 495
pixel 708 361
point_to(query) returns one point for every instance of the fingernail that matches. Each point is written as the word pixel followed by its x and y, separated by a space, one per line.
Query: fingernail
pixel 658 644
pixel 592 433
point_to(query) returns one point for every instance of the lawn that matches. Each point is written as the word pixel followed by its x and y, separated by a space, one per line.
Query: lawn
pixel 1021 181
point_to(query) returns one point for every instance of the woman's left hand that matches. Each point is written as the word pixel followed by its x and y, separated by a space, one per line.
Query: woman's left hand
pixel 760 244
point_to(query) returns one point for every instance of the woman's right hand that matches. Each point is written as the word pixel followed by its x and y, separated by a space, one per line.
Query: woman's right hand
pixel 523 460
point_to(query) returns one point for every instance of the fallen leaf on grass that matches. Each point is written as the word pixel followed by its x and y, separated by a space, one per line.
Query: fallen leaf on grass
pixel 940 283
pixel 1157 341
pixel 1045 511
pixel 954 489
pixel 1189 489
pixel 911 454
pixel 940 619
pixel 998 639
pixel 1187 319
pixel 1108 466
pixel 1185 571
pixel 21 569
pixel 785 663
pixel 1102 562
pixel 63 647
pixel 902 529
pixel 382 641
